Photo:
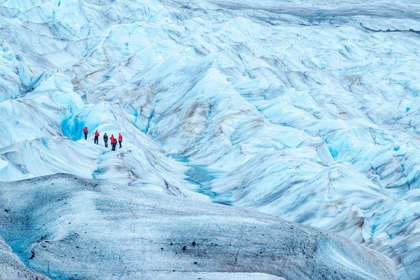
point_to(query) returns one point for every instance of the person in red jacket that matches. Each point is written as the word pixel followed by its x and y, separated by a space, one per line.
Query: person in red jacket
pixel 120 139
pixel 85 131
pixel 96 140
pixel 113 142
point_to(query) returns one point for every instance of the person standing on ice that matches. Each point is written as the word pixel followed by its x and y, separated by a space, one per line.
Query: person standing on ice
pixel 106 140
pixel 113 142
pixel 85 131
pixel 96 140
pixel 120 139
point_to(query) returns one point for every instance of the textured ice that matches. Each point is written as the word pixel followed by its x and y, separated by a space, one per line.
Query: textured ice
pixel 11 267
pixel 308 110
pixel 72 228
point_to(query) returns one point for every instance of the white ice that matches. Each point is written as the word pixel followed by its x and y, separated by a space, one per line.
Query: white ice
pixel 72 228
pixel 308 110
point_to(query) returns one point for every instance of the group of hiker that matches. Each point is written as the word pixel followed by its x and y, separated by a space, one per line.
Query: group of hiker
pixel 113 139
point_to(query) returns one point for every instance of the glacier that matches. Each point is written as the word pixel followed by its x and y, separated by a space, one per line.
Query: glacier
pixel 73 228
pixel 304 110
pixel 12 267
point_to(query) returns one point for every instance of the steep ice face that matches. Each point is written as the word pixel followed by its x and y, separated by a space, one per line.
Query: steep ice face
pixel 67 228
pixel 306 110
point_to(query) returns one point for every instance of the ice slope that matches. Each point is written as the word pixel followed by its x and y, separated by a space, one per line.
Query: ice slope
pixel 304 109
pixel 11 267
pixel 42 131
pixel 72 228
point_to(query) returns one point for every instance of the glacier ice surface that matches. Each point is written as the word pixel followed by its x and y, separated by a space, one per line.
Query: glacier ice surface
pixel 305 110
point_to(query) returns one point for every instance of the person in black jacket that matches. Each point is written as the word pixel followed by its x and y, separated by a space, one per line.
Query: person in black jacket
pixel 106 140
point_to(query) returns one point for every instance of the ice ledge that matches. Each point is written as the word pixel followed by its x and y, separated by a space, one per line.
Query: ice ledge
pixel 11 268
pixel 67 227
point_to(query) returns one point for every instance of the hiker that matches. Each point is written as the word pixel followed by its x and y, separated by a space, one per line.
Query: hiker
pixel 85 131
pixel 113 142
pixel 106 140
pixel 96 140
pixel 120 139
